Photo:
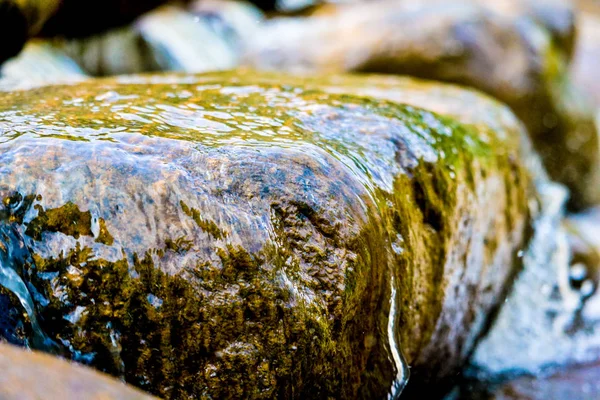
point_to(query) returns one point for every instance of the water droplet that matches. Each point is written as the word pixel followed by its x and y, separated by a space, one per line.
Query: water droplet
pixel 587 288
pixel 155 301
pixel 74 316
pixel 397 244
pixel 13 201
pixel 578 272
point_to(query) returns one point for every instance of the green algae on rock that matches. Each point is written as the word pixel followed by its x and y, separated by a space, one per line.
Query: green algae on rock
pixel 32 375
pixel 516 51
pixel 229 236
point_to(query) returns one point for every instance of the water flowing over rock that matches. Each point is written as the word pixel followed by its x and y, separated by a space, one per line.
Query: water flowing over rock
pixel 168 38
pixel 229 236
pixel 516 51
pixel 552 317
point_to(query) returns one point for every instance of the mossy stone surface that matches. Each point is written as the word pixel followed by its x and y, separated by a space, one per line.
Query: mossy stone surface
pixel 517 51
pixel 239 235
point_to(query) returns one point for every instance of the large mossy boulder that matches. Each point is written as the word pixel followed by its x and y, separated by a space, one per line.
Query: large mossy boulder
pixel 230 236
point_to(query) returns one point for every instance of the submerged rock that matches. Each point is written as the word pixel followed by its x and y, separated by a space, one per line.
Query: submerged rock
pixel 573 384
pixel 229 236
pixel 532 329
pixel 551 319
pixel 579 383
pixel 34 375
pixel 517 51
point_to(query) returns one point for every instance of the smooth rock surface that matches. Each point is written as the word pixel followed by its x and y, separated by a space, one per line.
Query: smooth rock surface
pixel 33 375
pixel 231 236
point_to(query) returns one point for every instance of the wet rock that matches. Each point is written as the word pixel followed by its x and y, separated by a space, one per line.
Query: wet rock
pixel 228 235
pixel 445 99
pixel 182 42
pixel 115 52
pixel 201 37
pixel 579 383
pixel 168 38
pixel 551 319
pixel 231 17
pixel 483 112
pixel 33 375
pixel 516 51
pixel 40 62
pixel 530 332
pixel 165 39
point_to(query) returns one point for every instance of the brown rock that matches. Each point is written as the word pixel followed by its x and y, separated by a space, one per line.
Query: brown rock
pixel 231 235
pixel 30 375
